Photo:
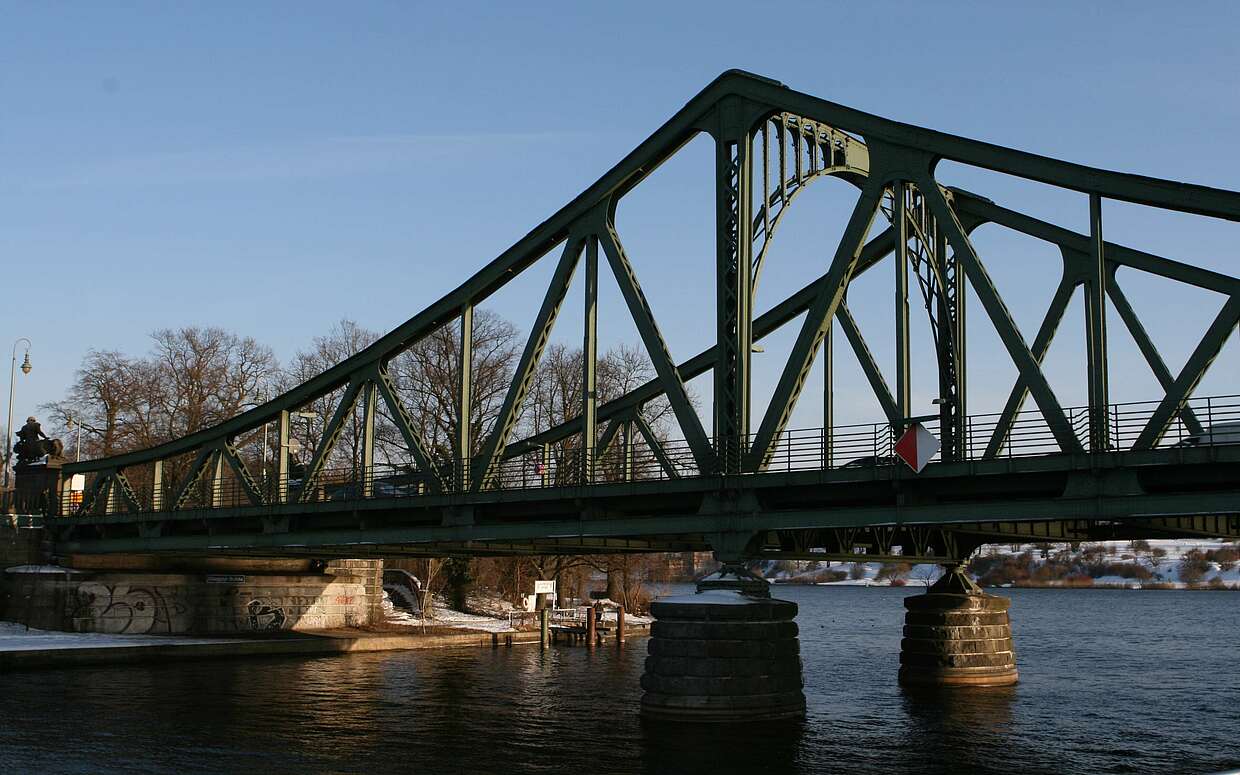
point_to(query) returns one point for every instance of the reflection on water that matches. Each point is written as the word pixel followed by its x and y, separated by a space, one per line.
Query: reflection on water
pixel 1110 682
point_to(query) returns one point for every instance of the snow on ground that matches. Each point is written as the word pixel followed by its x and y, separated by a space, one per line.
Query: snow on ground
pixel 442 615
pixel 1166 569
pixel 41 569
pixel 495 616
pixel 16 637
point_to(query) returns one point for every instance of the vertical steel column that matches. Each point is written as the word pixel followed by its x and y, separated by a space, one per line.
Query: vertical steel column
pixel 589 358
pixel 899 218
pixel 157 486
pixel 734 298
pixel 828 396
pixel 370 395
pixel 950 321
pixel 627 462
pixel 1096 333
pixel 217 478
pixel 464 404
pixel 960 304
pixel 281 493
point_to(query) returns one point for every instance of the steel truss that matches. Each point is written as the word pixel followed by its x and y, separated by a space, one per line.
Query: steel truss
pixel 771 143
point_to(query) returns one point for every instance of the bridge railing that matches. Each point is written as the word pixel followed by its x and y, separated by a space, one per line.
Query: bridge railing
pixel 867 445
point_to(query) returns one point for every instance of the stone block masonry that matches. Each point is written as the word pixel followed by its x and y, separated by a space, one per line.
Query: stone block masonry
pixel 19 545
pixel 347 594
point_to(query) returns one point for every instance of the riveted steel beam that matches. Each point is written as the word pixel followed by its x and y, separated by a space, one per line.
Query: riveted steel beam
pixel 523 377
pixel 327 443
pixel 669 377
pixel 821 311
pixel 1001 317
pixel 248 485
pixel 1146 345
pixel 1096 333
pixel 1194 369
pixel 878 384
pixel 589 362
pixel 1041 343
pixel 404 423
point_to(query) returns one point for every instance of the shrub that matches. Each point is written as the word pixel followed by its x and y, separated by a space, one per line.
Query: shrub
pixel 1078 580
pixel 1193 567
pixel 896 571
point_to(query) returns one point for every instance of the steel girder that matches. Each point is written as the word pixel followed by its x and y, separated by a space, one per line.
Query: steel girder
pixel 771 142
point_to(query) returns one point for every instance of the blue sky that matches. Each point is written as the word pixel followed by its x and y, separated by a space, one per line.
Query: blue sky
pixel 272 168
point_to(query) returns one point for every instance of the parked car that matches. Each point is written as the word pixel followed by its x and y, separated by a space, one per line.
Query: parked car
pixel 872 461
pixel 1223 433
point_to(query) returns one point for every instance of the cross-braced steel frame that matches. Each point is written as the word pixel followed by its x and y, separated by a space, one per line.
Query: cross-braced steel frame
pixel 771 144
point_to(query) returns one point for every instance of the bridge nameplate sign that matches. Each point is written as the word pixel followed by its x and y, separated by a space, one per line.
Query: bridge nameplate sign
pixel 222 579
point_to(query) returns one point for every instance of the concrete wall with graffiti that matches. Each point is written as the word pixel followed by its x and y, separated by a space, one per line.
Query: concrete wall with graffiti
pixel 154 603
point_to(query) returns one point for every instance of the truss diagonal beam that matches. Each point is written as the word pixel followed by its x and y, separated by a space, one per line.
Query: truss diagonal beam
pixel 869 366
pixel 192 476
pixel 763 325
pixel 656 447
pixel 1182 389
pixel 121 483
pixel 1001 318
pixel 609 433
pixel 669 376
pixel 821 311
pixel 1152 356
pixel 242 472
pixel 331 434
pixel 1082 244
pixel 404 423
pixel 1041 343
pixel 526 367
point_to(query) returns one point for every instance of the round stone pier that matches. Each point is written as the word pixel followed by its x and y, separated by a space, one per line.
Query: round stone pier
pixel 728 653
pixel 957 635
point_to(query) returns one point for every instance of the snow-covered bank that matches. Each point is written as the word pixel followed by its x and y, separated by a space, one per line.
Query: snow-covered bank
pixel 1154 564
pixel 17 637
pixel 496 615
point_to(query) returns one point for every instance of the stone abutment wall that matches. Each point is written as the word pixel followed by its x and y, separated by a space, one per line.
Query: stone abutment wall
pixel 347 593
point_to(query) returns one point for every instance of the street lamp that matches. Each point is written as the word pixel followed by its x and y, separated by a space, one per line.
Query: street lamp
pixel 8 441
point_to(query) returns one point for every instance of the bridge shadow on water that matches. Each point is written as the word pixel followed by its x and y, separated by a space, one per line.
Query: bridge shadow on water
pixel 752 747
pixel 958 729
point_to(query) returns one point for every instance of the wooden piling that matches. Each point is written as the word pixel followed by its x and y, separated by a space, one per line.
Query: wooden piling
pixel 620 626
pixel 591 627
pixel 544 628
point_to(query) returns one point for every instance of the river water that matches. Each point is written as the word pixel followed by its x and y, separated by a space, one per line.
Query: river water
pixel 1111 681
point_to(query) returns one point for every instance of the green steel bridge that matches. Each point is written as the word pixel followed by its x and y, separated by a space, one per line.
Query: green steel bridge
pixel 747 485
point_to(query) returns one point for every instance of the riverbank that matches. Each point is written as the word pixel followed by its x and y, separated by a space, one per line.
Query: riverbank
pixel 35 649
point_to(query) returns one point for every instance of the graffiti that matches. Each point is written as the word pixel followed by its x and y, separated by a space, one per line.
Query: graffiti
pixel 265 617
pixel 122 609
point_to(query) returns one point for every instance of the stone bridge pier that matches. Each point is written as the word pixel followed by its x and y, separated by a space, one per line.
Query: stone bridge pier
pixel 727 653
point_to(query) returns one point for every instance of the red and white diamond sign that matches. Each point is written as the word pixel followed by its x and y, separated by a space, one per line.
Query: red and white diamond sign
pixel 917 446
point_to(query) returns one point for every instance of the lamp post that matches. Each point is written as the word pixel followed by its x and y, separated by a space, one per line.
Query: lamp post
pixel 8 441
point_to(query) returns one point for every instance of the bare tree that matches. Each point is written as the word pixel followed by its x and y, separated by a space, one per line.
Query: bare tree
pixel 345 339
pixel 192 379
